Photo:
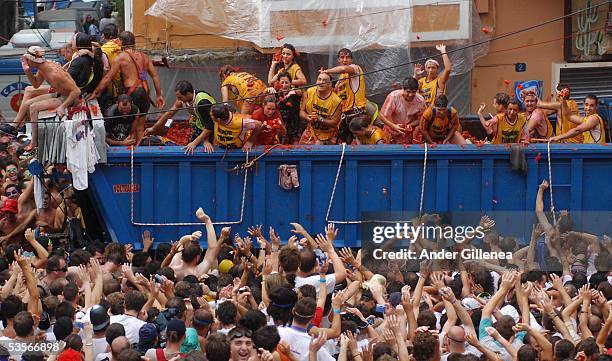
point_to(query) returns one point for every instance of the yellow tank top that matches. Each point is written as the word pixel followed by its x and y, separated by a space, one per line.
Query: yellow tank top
pixel 292 70
pixel 564 124
pixel 111 49
pixel 507 132
pixel 596 135
pixel 228 135
pixel 534 131
pixel 324 108
pixel 439 127
pixel 429 90
pixel 248 86
pixel 350 97
pixel 376 136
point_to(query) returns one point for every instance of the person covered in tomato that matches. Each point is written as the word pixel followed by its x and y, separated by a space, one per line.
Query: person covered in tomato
pixel 273 129
pixel 285 62
pixel 403 108
pixel 439 123
pixel 289 107
pixel 232 129
pixel 245 90
pixel 366 133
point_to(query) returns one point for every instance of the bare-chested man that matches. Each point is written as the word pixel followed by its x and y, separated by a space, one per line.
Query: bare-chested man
pixel 32 95
pixel 134 66
pixel 67 92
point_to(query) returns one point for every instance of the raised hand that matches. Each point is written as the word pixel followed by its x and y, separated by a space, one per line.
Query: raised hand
pixel 276 242
pixel 147 241
pixel 544 185
pixel 481 108
pixel 331 232
pixel 441 48
pixel 316 343
pixel 203 217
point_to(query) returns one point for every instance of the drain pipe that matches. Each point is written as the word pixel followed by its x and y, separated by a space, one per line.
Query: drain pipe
pixel 127 15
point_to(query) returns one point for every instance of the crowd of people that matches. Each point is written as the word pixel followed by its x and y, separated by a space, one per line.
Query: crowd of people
pixel 285 109
pixel 256 297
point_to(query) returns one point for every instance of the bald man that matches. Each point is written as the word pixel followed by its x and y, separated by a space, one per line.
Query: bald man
pixel 119 344
pixel 454 342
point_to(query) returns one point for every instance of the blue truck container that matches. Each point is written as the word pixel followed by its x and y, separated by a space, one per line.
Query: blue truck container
pixel 169 186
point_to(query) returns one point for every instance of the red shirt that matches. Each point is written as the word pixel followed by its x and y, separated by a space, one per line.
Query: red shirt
pixel 269 134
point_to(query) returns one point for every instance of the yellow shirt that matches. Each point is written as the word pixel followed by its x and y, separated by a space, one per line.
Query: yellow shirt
pixel 376 136
pixel 247 85
pixel 564 124
pixel 439 127
pixel 429 89
pixel 324 108
pixel 352 98
pixel 508 132
pixel 292 70
pixel 111 49
pixel 596 135
pixel 228 135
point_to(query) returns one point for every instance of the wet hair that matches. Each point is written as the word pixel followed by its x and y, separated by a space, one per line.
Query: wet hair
pixel 289 259
pixel 514 101
pixel 427 318
pixel 589 346
pixel 134 300
pixel 307 260
pixel 65 308
pixel 110 286
pixel 441 101
pixel 227 312
pixel 190 252
pixel 410 83
pixel 283 299
pixel 484 278
pixel 382 350
pixel 129 354
pixel 83 41
pixel 526 353
pixel 220 111
pixel 425 346
pixel 266 337
pixel 127 39
pixel 71 292
pixel 564 349
pixel 304 310
pixel 62 328
pixel 74 341
pixel 110 31
pixel 359 123
pixel 504 326
pixel 562 86
pixel 345 51
pixel 53 263
pixel 23 323
pixel 226 70
pixel 502 99
pixel 283 74
pixel 592 97
pixel 308 291
pixel 79 257
pixel 253 320
pixel 11 306
pixel 183 87
pixel 113 331
pixel 217 347
pixel 124 98
pixel 507 244
pixel 269 99
pixel 290 47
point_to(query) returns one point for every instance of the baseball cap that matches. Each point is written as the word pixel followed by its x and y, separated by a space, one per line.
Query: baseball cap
pixel 147 332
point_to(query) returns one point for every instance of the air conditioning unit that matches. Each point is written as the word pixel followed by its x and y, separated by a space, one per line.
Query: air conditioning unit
pixel 31 37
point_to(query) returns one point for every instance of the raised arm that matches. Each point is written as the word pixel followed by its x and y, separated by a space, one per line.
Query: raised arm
pixel 326 245
pixel 34 304
pixel 41 252
pixel 159 101
pixel 507 282
pixel 488 125
pixel 447 66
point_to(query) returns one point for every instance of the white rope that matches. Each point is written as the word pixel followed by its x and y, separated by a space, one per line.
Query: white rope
pixel 550 186
pixel 331 198
pixel 423 182
pixel 179 224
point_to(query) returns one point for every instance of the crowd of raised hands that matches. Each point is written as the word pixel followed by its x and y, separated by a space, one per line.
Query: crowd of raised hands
pixel 254 297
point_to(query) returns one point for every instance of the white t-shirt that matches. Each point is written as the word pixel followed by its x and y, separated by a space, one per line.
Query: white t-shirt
pixel 99 345
pixel 314 281
pixel 102 356
pixel 299 342
pixel 131 324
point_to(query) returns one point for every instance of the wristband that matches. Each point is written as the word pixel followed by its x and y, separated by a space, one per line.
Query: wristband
pixel 336 311
pixel 322 280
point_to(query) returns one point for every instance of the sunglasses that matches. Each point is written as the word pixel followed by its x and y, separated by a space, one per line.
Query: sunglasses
pixel 240 333
pixel 65 269
pixel 12 193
